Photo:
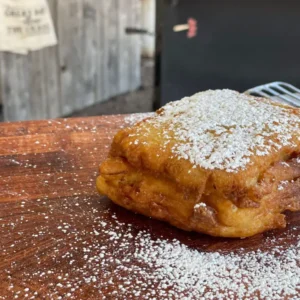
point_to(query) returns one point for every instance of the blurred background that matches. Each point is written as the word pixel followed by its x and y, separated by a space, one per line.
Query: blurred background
pixel 128 56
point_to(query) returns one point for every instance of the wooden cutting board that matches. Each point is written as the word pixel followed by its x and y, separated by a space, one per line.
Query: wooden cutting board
pixel 60 240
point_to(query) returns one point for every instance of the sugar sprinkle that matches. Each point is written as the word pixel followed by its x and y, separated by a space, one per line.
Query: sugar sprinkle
pixel 135 118
pixel 67 258
pixel 222 129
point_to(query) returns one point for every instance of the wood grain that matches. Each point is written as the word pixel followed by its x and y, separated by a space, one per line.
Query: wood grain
pixel 90 53
pixel 15 97
pixel 70 54
pixel 124 45
pixel 51 216
pixel 101 79
pixel 51 73
pixel 111 46
pixel 135 44
pixel 38 99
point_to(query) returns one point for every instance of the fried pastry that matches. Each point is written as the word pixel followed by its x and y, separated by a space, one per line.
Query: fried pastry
pixel 218 162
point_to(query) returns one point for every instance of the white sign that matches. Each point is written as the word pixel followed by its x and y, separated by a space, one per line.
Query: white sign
pixel 25 25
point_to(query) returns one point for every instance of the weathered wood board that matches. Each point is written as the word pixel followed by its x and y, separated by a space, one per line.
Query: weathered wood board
pixel 59 239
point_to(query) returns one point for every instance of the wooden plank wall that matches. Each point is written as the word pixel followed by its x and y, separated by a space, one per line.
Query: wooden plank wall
pixel 93 61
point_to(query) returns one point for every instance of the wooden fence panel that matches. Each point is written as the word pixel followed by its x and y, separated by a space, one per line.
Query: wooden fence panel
pixel 15 92
pixel 135 45
pixel 43 81
pixel 70 54
pixel 124 46
pixel 93 61
pixel 37 91
pixel 51 70
pixel 111 47
pixel 89 52
pixel 101 78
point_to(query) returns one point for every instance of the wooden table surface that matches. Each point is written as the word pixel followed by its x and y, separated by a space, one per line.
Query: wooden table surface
pixel 60 240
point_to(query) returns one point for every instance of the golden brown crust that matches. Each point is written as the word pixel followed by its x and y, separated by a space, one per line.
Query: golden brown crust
pixel 152 195
pixel 143 174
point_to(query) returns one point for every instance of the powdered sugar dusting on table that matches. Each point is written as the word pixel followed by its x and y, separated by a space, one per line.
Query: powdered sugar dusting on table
pixel 214 275
pixel 80 246
pixel 137 264
pixel 222 129
pixel 180 272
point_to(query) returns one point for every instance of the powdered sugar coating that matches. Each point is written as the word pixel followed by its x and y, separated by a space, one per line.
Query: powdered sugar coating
pixel 201 204
pixel 135 118
pixel 222 129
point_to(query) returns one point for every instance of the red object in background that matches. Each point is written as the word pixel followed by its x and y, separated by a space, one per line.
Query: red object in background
pixel 193 28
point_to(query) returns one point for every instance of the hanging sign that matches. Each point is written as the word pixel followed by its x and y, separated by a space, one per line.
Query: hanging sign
pixel 26 25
